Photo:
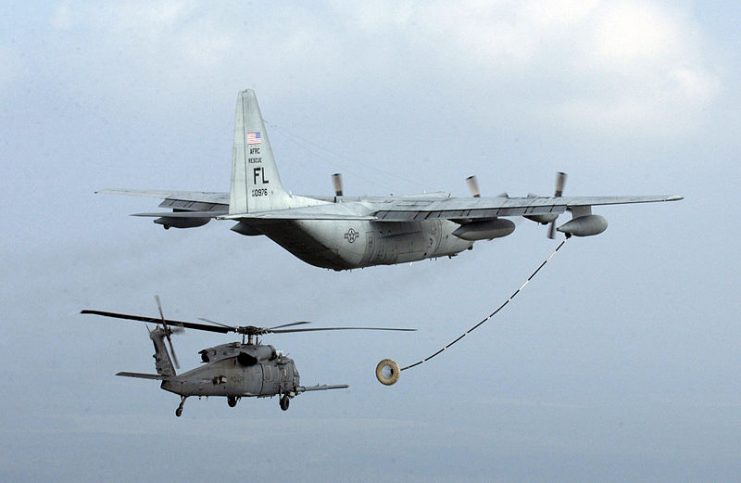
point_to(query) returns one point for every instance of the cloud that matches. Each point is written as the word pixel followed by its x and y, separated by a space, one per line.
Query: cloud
pixel 596 65
pixel 11 67
pixel 590 65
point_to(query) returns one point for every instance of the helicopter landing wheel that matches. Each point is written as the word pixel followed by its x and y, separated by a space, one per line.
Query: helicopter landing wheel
pixel 285 401
pixel 232 401
pixel 179 410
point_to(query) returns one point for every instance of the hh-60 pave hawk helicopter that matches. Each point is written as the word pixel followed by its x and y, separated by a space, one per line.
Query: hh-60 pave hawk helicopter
pixel 234 370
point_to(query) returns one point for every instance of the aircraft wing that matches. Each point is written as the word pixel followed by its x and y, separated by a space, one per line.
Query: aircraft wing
pixel 202 205
pixel 487 208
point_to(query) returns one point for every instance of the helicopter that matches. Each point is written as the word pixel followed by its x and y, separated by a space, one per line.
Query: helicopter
pixel 233 370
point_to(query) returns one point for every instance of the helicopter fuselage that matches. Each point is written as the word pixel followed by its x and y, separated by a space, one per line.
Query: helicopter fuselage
pixel 238 370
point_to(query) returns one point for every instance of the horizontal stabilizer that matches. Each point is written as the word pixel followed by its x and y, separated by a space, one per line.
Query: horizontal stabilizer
pixel 142 376
pixel 195 196
pixel 321 387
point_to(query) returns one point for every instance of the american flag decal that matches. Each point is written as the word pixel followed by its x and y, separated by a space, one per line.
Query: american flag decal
pixel 254 137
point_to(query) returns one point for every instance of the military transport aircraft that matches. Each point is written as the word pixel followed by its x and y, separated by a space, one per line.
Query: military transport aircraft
pixel 343 232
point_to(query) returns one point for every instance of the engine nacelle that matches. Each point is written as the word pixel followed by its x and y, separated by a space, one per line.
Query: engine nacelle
pixel 178 222
pixel 485 230
pixel 543 219
pixel 588 225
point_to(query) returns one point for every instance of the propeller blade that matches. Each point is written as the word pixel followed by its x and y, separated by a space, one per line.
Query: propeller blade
pixel 337 182
pixel 560 184
pixel 473 186
pixel 552 230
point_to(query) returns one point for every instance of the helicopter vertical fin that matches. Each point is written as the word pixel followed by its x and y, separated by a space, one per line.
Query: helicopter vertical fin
pixel 163 363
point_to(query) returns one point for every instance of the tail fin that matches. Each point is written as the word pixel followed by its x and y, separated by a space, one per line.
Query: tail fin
pixel 255 184
pixel 163 363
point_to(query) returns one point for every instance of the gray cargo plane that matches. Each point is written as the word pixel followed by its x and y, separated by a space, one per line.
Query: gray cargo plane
pixel 343 232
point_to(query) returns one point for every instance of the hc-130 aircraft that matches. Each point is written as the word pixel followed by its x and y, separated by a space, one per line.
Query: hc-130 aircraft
pixel 234 370
pixel 344 232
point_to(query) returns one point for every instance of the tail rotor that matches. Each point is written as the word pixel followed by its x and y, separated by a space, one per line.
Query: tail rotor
pixel 168 332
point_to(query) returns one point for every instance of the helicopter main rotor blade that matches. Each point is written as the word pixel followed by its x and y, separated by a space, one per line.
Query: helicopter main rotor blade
pixel 226 329
pixel 217 323
pixel 157 320
pixel 290 324
pixel 317 329
pixel 252 327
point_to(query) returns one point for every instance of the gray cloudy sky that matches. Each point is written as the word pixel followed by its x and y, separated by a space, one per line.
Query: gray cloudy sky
pixel 621 361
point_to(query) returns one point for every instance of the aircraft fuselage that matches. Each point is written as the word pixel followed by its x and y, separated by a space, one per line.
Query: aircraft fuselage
pixel 345 245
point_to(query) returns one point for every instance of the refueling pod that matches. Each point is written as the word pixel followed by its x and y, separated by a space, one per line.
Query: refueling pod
pixel 587 225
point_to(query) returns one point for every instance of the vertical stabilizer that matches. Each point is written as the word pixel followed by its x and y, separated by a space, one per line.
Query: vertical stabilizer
pixel 161 356
pixel 255 184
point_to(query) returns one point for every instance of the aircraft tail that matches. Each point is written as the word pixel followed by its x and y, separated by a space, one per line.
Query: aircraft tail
pixel 255 183
pixel 163 363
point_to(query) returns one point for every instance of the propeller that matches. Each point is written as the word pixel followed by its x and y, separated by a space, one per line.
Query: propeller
pixel 337 182
pixel 167 332
pixel 560 183
pixel 473 186
pixel 224 329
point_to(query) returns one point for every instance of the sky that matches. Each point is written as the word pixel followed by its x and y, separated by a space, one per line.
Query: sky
pixel 619 361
